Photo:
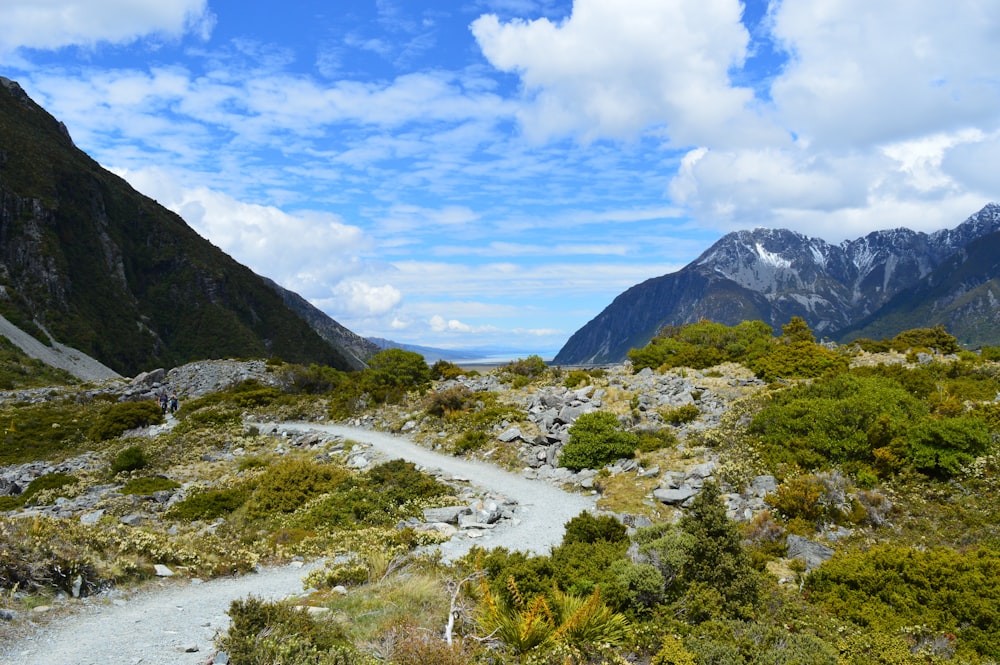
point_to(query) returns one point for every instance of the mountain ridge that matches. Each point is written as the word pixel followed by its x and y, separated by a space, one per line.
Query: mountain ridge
pixel 775 274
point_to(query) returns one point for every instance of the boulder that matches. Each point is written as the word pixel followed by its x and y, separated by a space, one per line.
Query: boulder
pixel 811 552
pixel 447 514
pixel 674 497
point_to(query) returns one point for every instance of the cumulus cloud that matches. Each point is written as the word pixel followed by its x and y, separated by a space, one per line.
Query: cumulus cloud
pixel 52 24
pixel 616 69
pixel 359 298
pixel 439 325
pixel 891 105
pixel 300 250
pixel 864 73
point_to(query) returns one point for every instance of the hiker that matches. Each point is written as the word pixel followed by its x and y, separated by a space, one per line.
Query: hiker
pixel 163 401
pixel 173 402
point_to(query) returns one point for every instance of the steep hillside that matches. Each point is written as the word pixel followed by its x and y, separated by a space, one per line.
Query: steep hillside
pixel 962 294
pixel 775 274
pixel 112 273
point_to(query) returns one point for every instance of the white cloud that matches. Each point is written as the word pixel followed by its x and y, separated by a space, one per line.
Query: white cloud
pixel 864 72
pixel 359 298
pixel 439 325
pixel 53 24
pixel 301 251
pixel 891 105
pixel 617 69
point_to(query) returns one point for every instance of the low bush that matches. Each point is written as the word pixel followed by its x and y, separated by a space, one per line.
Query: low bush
pixel 575 378
pixel 117 419
pixel 381 496
pixel 444 403
pixel 531 367
pixel 703 344
pixel 210 504
pixel 944 591
pixel 596 439
pixel 585 528
pixel 50 481
pixel 132 458
pixel 278 632
pixel 287 486
pixel 442 370
pixel 679 415
pixel 651 440
pixel 471 440
pixel 149 485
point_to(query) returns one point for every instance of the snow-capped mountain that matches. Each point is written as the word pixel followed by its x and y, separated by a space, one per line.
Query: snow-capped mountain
pixel 773 275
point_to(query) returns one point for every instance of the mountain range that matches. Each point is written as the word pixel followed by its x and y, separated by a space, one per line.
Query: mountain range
pixel 875 286
pixel 89 263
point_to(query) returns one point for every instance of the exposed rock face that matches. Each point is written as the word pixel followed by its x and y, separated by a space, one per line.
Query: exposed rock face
pixel 773 274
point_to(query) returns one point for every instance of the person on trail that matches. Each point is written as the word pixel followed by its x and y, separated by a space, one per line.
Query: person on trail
pixel 173 402
pixel 163 401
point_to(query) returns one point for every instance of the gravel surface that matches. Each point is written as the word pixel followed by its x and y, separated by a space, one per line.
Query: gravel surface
pixel 58 355
pixel 543 508
pixel 160 626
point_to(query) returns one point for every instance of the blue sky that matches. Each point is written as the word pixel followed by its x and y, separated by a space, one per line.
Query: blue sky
pixel 492 173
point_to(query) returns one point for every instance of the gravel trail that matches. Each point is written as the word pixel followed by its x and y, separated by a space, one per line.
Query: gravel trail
pixel 543 509
pixel 159 626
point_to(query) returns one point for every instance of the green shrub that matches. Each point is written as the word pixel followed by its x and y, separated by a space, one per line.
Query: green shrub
pixel 942 447
pixel 470 440
pixel 278 632
pixel 50 481
pixel 288 485
pixel 444 403
pixel 759 642
pixel 889 587
pixel 47 431
pixel 382 496
pixel 132 458
pixel 585 528
pixel 703 344
pixel 595 439
pixel 634 587
pixel 443 370
pixel 679 415
pixel 119 418
pixel 991 353
pixel 313 379
pixel 798 360
pixel 652 440
pixel 717 558
pixel 936 338
pixel 576 378
pixel 532 575
pixel 844 419
pixel 531 367
pixel 149 485
pixel 394 372
pixel 210 504
pixel 817 499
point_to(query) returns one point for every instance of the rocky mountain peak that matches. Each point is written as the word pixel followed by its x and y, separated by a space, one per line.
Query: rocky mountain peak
pixel 775 274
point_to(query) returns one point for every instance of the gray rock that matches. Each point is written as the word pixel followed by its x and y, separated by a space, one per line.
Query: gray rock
pixel 811 552
pixel 162 571
pixel 763 485
pixel 704 470
pixel 447 514
pixel 510 435
pixel 673 497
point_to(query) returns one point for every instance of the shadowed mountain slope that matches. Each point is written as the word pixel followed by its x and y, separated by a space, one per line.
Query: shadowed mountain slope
pixel 110 272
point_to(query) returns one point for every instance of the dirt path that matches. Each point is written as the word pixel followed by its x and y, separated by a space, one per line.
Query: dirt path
pixel 164 626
